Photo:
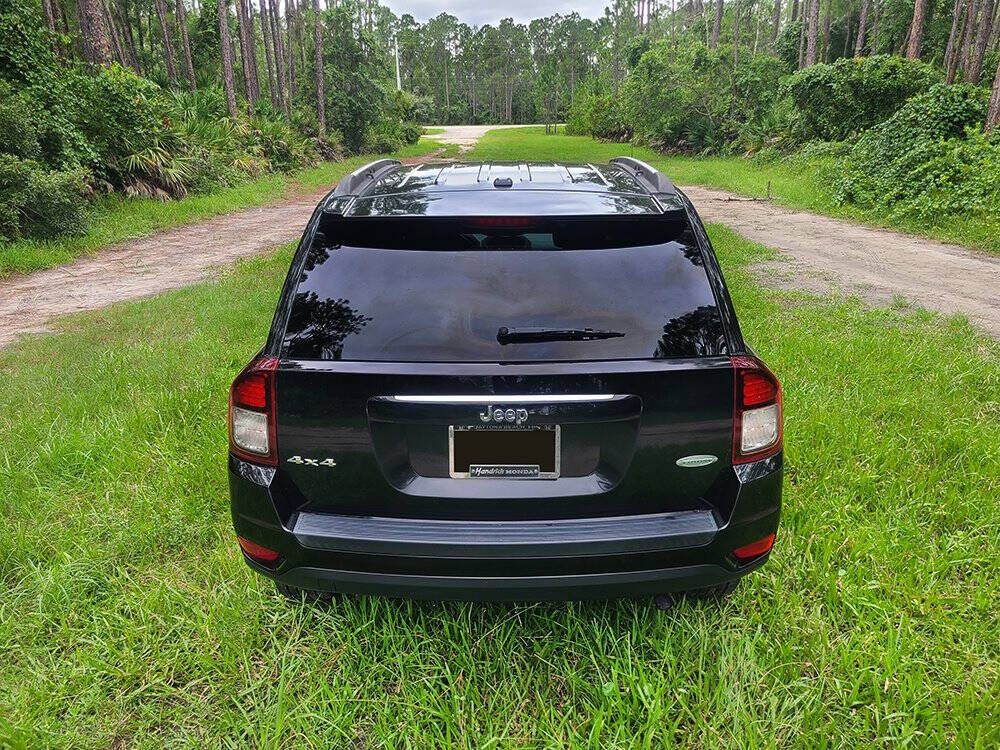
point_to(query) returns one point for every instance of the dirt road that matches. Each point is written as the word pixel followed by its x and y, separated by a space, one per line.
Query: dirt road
pixel 823 252
pixel 875 264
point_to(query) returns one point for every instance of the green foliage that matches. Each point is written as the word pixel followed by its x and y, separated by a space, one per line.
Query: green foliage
pixel 929 159
pixel 354 68
pixel 598 113
pixel 39 202
pixel 695 99
pixel 833 102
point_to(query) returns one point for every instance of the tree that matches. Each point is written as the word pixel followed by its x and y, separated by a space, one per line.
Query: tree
pixel 975 71
pixel 265 29
pixel 775 21
pixel 96 47
pixel 320 95
pixel 812 34
pixel 168 47
pixel 717 27
pixel 916 36
pixel 185 42
pixel 993 116
pixel 956 18
pixel 859 44
pixel 279 58
pixel 228 82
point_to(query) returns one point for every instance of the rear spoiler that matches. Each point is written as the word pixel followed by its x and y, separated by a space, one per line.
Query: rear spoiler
pixel 355 183
pixel 652 179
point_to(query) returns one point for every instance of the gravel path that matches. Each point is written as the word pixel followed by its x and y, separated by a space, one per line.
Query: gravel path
pixel 875 264
pixel 824 252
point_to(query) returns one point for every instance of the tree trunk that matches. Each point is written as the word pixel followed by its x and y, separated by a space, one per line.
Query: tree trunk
pixel 775 21
pixel 279 57
pixel 227 58
pixel 956 17
pixel 718 24
pixel 875 25
pixel 96 47
pixel 290 47
pixel 168 46
pixel 116 44
pixel 859 45
pixel 320 94
pixel 795 11
pixel 993 116
pixel 812 34
pixel 265 29
pixel 246 63
pixel 49 11
pixel 181 17
pixel 916 37
pixel 983 37
pixel 826 31
pixel 736 34
pixel 968 37
pixel 129 39
pixel 952 60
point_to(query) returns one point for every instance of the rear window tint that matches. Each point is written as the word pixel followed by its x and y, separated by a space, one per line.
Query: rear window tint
pixel 448 294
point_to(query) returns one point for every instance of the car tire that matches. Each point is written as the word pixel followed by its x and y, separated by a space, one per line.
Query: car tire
pixel 299 596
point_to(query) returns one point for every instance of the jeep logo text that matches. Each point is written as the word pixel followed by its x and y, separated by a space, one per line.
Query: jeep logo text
pixel 514 416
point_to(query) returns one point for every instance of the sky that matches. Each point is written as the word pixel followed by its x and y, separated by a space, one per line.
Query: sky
pixel 478 12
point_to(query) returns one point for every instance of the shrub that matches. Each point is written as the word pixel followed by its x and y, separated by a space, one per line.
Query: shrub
pixel 927 159
pixel 599 114
pixel 39 202
pixel 834 102
pixel 694 99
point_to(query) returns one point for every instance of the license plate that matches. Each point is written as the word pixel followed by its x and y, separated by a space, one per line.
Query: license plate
pixel 500 452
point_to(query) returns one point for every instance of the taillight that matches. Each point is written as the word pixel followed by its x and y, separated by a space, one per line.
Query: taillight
pixel 251 413
pixel 757 413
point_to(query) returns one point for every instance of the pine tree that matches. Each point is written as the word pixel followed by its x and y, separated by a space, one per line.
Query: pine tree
pixel 228 82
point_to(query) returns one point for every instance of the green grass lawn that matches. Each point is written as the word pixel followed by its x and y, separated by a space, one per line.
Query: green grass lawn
pixel 116 218
pixel 793 186
pixel 128 618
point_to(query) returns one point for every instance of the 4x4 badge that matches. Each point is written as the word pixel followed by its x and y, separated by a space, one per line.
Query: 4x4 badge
pixel 693 462
pixel 312 461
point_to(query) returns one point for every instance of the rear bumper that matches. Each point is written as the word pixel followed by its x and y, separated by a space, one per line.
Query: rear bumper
pixel 583 558
pixel 511 588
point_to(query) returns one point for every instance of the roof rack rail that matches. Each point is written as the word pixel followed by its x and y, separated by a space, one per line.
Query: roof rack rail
pixel 361 178
pixel 654 181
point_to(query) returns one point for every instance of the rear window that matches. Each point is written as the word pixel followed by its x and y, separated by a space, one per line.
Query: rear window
pixel 507 290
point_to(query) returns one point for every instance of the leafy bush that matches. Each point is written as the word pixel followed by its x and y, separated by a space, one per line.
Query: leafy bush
pixel 927 159
pixel 695 99
pixel 39 202
pixel 597 113
pixel 834 102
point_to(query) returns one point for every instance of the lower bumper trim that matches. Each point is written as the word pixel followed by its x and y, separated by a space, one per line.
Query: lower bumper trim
pixel 530 588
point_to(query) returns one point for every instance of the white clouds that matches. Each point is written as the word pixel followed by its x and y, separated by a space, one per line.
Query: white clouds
pixel 477 12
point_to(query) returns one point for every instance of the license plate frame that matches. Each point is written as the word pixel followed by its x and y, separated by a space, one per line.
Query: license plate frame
pixel 518 471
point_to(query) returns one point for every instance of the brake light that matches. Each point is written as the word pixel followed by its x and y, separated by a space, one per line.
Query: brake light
pixel 501 221
pixel 754 549
pixel 757 418
pixel 251 413
pixel 256 551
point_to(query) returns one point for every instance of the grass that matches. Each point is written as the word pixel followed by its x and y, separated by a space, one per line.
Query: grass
pixel 794 186
pixel 116 218
pixel 130 620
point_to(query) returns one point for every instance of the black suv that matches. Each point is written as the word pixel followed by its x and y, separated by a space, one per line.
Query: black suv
pixel 505 381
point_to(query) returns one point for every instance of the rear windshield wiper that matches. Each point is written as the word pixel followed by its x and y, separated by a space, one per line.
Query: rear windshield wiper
pixel 530 335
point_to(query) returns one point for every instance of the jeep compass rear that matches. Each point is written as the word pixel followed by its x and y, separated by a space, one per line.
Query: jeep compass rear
pixel 505 381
